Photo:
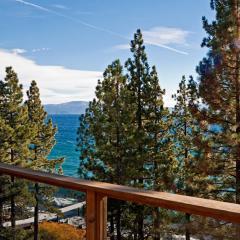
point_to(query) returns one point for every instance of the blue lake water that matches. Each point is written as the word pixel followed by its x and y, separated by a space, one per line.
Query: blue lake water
pixel 66 142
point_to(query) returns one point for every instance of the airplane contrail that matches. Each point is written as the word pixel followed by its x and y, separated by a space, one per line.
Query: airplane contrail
pixel 39 7
pixel 71 18
pixel 166 47
pixel 34 5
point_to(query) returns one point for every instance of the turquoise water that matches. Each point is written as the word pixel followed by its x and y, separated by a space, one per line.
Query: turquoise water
pixel 66 142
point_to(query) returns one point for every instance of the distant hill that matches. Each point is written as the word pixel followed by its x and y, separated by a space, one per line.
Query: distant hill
pixel 74 107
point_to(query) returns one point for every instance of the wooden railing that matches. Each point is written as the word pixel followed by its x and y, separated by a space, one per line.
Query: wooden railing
pixel 98 192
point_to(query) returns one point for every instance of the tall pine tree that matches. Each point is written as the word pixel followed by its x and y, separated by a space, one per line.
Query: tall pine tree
pixel 41 144
pixel 189 136
pixel 150 151
pixel 219 88
pixel 124 138
pixel 162 164
pixel 194 175
pixel 138 77
pixel 14 115
pixel 103 125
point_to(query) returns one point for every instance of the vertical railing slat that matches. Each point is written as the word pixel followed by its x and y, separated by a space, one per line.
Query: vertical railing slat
pixel 96 218
pixel 101 205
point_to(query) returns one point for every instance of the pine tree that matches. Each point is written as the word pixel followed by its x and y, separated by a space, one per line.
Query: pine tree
pixel 103 125
pixel 219 88
pixel 159 141
pixel 5 130
pixel 14 115
pixel 109 130
pixel 189 137
pixel 162 164
pixel 42 142
pixel 111 138
pixel 138 76
pixel 124 137
pixel 150 150
pixel 86 147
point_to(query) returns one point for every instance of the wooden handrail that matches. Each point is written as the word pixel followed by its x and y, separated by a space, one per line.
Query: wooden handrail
pixel 97 192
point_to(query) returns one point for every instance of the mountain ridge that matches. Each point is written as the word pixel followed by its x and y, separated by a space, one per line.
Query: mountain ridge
pixel 73 107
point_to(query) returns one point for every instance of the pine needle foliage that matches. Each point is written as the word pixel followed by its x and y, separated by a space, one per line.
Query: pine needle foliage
pixel 15 134
pixel 219 90
pixel 124 136
pixel 41 144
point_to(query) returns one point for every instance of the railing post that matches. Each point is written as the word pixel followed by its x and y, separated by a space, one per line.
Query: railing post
pixel 96 218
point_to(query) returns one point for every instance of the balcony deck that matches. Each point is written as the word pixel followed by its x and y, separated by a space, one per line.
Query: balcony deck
pixel 98 192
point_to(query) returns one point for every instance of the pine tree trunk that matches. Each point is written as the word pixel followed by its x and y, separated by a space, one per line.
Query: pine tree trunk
pixel 12 200
pixel 140 224
pixel 111 227
pixel 237 15
pixel 140 216
pixel 237 105
pixel 156 224
pixel 237 98
pixel 187 216
pixel 156 211
pixel 187 233
pixel 238 193
pixel 238 167
pixel 118 222
pixel 1 206
pixel 36 209
pixel 13 210
pixel 118 172
pixel 1 214
pixel 238 181
pixel 238 132
pixel 135 234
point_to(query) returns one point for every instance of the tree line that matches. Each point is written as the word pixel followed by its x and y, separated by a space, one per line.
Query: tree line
pixel 26 139
pixel 128 136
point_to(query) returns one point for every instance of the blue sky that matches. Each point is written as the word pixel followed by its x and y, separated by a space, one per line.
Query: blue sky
pixel 65 45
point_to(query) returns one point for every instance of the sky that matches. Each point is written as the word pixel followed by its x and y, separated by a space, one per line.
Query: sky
pixel 65 45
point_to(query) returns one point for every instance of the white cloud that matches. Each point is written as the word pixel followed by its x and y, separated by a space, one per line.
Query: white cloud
pixel 40 49
pixel 163 37
pixel 34 50
pixel 57 84
pixel 18 51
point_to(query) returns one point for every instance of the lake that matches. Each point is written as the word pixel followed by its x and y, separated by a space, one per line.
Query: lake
pixel 66 142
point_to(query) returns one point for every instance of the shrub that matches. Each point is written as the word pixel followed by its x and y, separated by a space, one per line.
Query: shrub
pixel 60 231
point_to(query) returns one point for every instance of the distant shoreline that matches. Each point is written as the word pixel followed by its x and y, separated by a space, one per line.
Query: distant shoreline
pixel 73 108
